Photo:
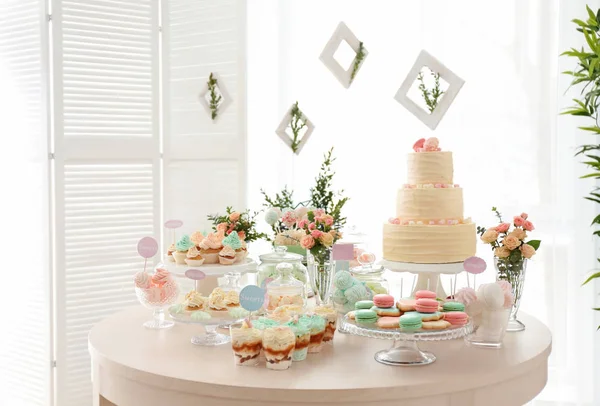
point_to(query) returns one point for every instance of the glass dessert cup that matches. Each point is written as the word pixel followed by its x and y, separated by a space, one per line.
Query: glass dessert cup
pixel 405 349
pixel 158 307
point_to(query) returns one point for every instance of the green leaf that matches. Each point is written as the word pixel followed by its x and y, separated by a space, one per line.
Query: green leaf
pixel 591 175
pixel 534 243
pixel 590 13
pixel 589 41
pixel 594 129
pixel 592 277
pixel 592 199
pixel 515 255
pixel 596 220
pixel 579 22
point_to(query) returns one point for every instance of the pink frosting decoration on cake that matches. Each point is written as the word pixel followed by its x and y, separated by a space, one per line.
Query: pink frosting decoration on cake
pixel 466 296
pixel 161 276
pixel 438 185
pixel 419 145
pixel 431 222
pixel 456 185
pixel 432 144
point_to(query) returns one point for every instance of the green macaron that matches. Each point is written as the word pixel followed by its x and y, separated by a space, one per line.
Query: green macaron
pixel 454 307
pixel 365 316
pixel 410 322
pixel 363 304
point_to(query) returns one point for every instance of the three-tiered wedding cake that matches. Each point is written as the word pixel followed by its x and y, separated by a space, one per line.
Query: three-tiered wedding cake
pixel 429 226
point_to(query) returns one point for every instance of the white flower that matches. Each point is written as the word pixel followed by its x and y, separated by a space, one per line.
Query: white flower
pixel 271 217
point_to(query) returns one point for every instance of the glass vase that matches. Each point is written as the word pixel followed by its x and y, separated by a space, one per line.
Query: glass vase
pixel 513 272
pixel 321 270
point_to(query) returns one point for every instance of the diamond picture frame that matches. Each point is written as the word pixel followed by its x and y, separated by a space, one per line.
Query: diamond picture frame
pixel 455 83
pixel 281 130
pixel 225 98
pixel 342 33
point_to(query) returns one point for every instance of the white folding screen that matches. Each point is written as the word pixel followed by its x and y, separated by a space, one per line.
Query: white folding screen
pixel 107 160
pixel 205 160
pixel 25 335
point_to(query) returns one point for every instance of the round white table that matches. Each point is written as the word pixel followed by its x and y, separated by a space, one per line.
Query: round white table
pixel 133 366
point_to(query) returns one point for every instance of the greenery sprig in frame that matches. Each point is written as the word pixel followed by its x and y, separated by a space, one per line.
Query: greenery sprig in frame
pixel 215 98
pixel 360 56
pixel 297 123
pixel 433 96
pixel 587 73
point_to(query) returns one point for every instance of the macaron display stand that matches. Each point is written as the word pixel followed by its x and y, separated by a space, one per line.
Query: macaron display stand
pixel 405 350
pixel 212 272
pixel 428 274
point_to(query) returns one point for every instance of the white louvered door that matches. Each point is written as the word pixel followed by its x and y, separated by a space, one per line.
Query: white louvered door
pixel 106 71
pixel 204 161
pixel 25 335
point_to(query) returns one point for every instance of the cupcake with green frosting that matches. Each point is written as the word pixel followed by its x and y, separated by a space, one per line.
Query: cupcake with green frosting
pixel 302 333
pixel 233 240
pixel 181 249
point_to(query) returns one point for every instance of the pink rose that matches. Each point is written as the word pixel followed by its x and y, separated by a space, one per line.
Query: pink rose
pixel 289 218
pixel 326 239
pixel 316 234
pixel 328 220
pixel 518 221
pixel 235 216
pixel 319 212
pixel 511 242
pixel 242 235
pixel 502 227
pixel 502 252
pixel 524 216
pixel 527 251
pixel 222 227
pixel 519 233
pixel 302 223
pixel 307 242
pixel 431 144
pixel 528 226
pixel 312 226
pixel 489 236
pixel 419 145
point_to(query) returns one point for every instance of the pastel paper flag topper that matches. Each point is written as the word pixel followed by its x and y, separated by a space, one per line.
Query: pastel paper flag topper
pixel 147 247
pixel 252 298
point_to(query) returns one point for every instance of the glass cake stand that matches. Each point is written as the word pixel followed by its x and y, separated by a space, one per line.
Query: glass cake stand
pixel 405 350
pixel 217 320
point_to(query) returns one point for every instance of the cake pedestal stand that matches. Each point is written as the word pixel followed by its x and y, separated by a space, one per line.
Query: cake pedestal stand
pixel 212 272
pixel 211 337
pixel 405 349
pixel 428 274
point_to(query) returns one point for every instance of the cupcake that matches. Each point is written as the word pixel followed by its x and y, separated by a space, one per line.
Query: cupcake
pixel 216 300
pixel 331 316
pixel 227 255
pixel 233 241
pixel 197 238
pixel 195 301
pixel 182 247
pixel 240 256
pixel 278 345
pixel 302 333
pixel 232 299
pixel 246 342
pixel 193 257
pixel 317 331
pixel 210 247
pixel 170 252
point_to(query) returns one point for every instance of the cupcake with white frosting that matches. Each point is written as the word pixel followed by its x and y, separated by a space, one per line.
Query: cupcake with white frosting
pixel 216 300
pixel 193 257
pixel 210 247
pixel 227 255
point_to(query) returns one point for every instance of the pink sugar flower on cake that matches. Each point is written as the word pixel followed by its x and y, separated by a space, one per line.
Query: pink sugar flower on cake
pixel 456 185
pixel 431 222
pixel 418 146
pixel 431 144
pixel 438 185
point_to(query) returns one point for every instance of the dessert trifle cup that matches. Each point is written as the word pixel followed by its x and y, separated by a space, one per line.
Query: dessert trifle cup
pixel 246 342
pixel 330 315
pixel 278 345
pixel 302 333
pixel 317 331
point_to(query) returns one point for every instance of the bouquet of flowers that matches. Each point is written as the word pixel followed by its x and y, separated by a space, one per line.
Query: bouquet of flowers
pixel 319 233
pixel 284 224
pixel 243 223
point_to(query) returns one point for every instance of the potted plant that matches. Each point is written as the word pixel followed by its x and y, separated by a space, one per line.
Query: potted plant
pixel 587 76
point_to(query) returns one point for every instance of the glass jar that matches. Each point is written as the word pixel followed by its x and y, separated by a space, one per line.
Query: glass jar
pixel 285 289
pixel 268 262
pixel 370 274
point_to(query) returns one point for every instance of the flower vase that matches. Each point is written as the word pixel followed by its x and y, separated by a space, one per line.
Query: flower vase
pixel 513 272
pixel 321 270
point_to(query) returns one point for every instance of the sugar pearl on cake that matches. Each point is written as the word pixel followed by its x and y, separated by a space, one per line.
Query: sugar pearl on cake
pixel 411 223
pixel 431 222
pixel 420 223
pixel 438 185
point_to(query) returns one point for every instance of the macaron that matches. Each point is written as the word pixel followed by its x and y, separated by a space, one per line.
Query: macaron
pixel 456 318
pixel 386 311
pixel 427 305
pixel 383 300
pixel 363 304
pixel 454 307
pixel 425 294
pixel 429 316
pixel 388 322
pixel 410 322
pixel 406 305
pixel 365 316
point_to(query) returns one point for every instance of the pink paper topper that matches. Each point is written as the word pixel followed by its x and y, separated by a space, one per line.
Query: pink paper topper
pixel 474 265
pixel 147 247
pixel 195 274
pixel 343 252
pixel 173 223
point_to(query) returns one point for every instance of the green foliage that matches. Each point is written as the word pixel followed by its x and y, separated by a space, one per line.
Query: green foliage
pixel 534 243
pixel 360 56
pixel 246 223
pixel 498 215
pixel 215 99
pixel 297 124
pixel 587 75
pixel 432 96
pixel 322 195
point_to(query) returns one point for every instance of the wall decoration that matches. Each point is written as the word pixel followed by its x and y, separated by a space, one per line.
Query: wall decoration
pixel 296 122
pixel 343 33
pixel 214 97
pixel 429 89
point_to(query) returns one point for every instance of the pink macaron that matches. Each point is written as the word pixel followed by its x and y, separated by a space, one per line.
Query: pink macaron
pixel 456 318
pixel 384 301
pixel 427 305
pixel 425 294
